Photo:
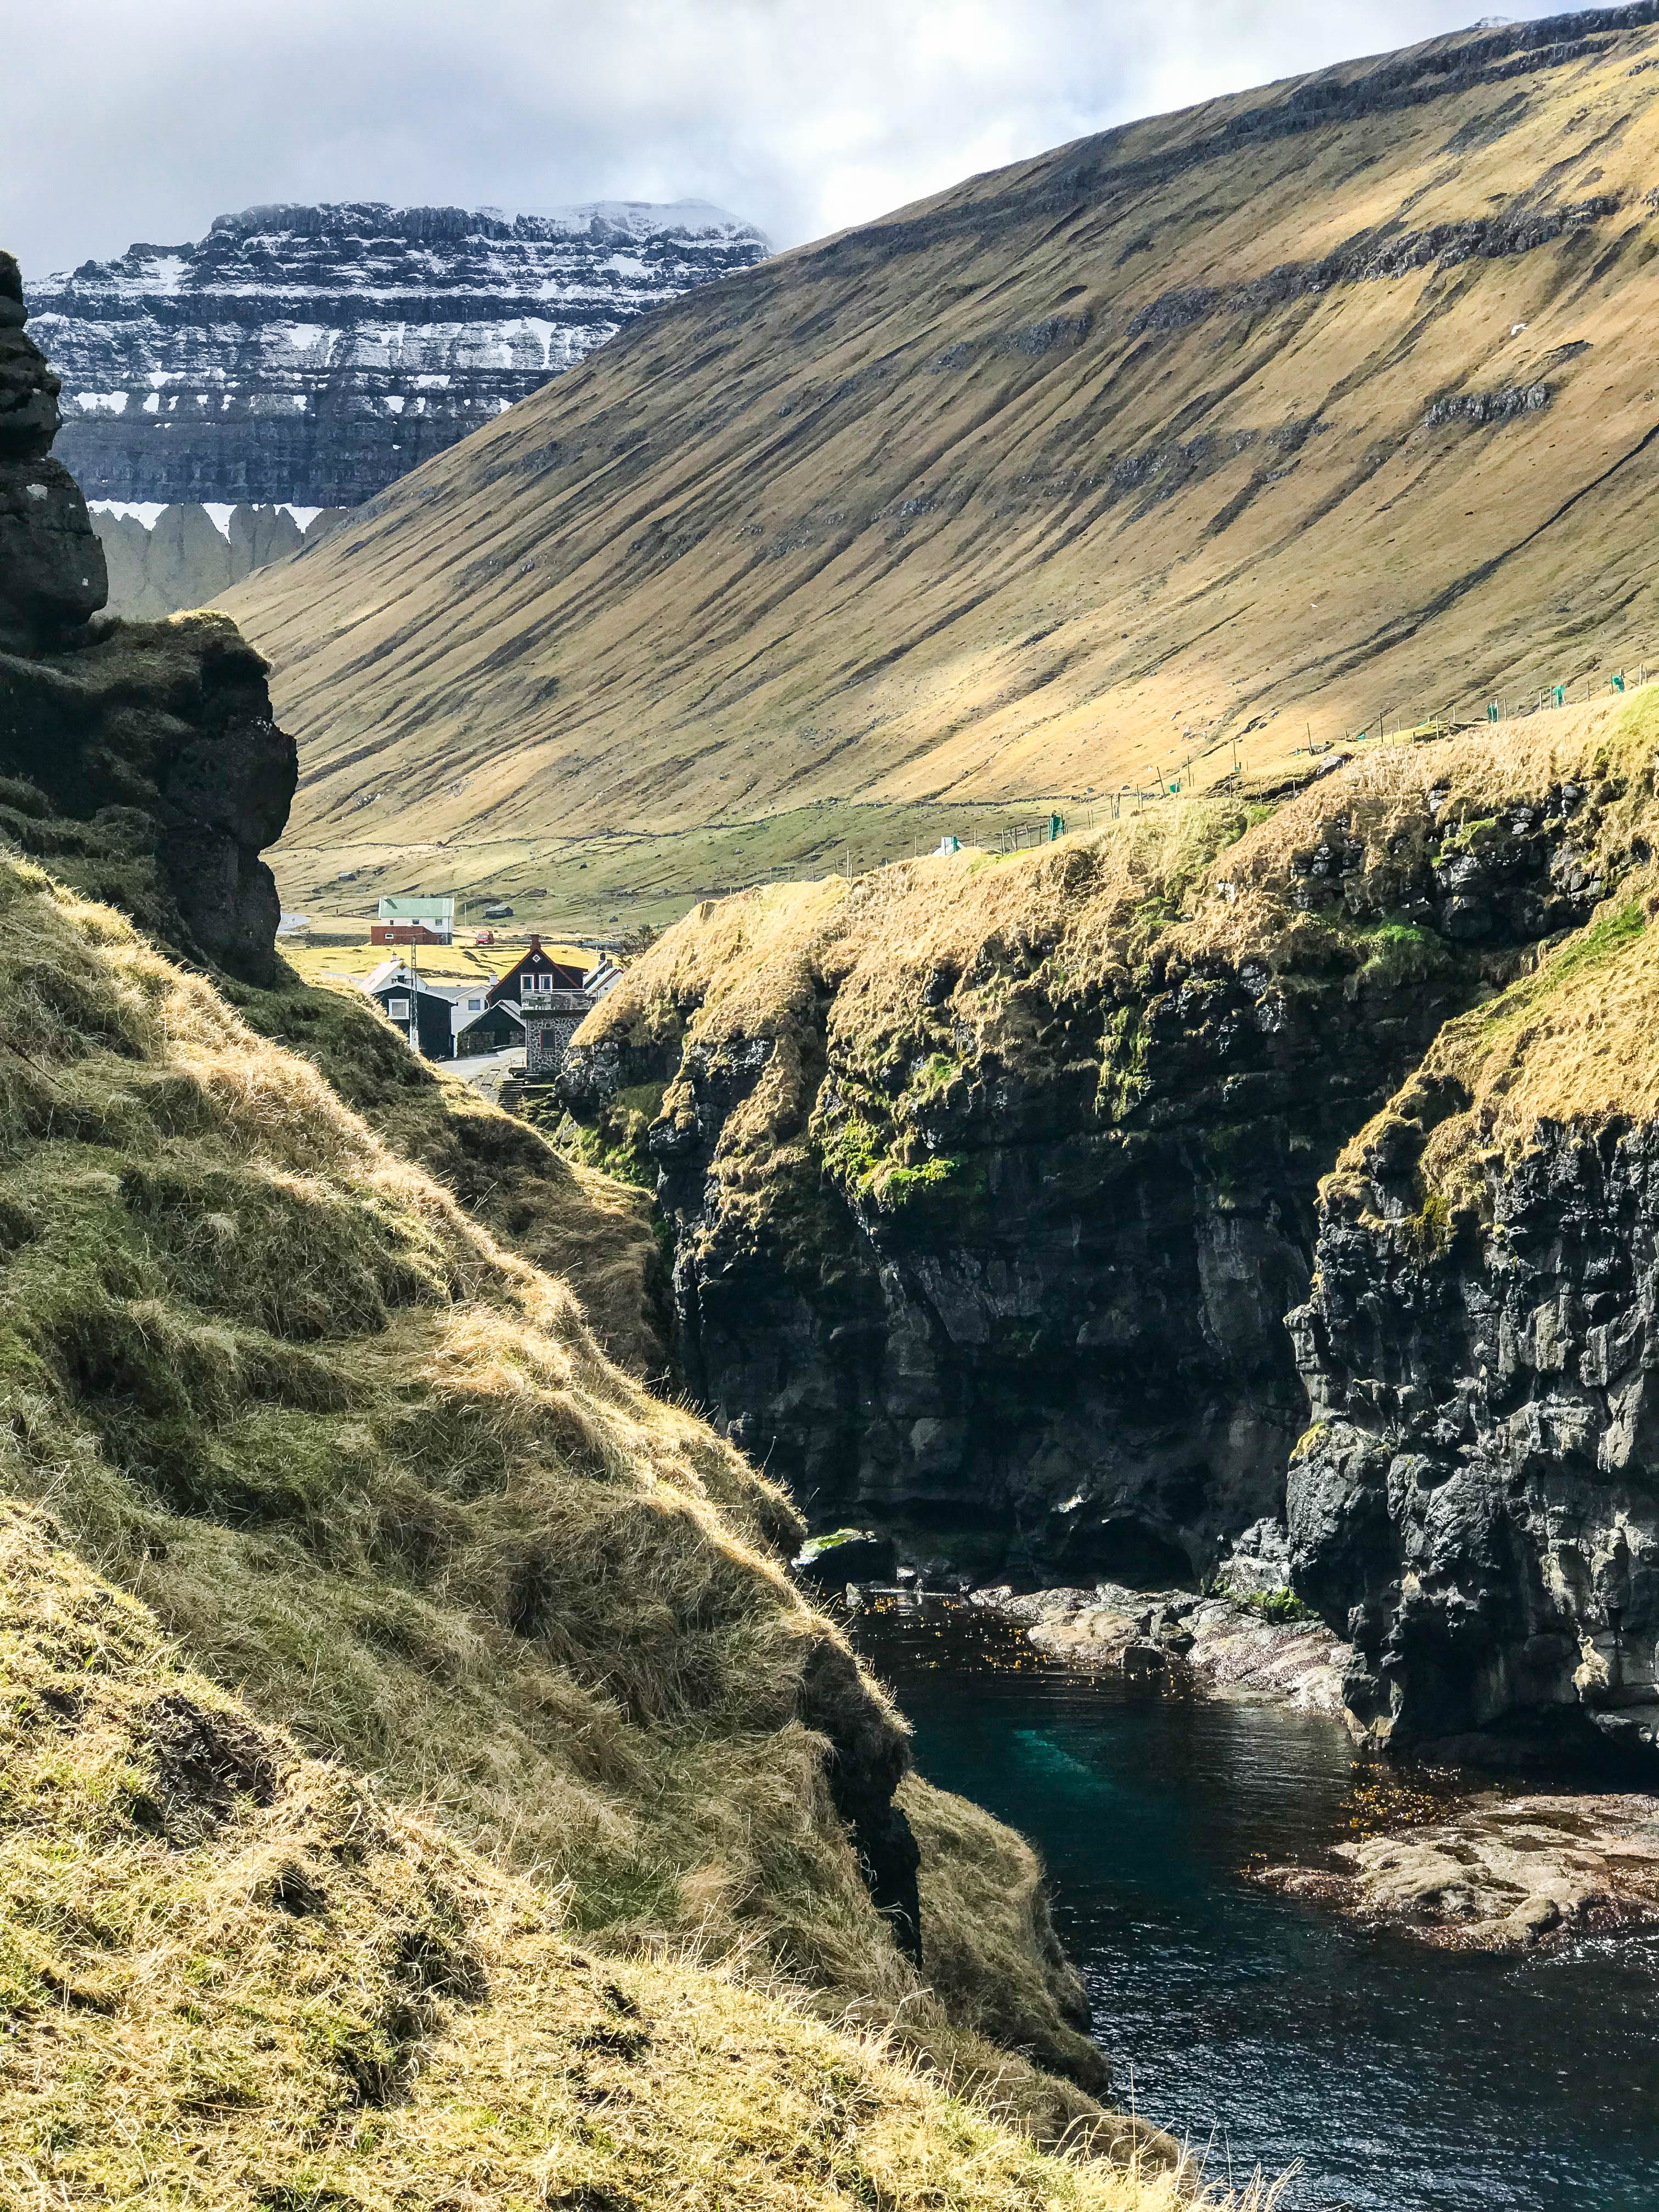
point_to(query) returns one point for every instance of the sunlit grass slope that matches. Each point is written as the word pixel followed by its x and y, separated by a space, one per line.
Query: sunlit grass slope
pixel 374 1469
pixel 1570 1043
pixel 233 1976
pixel 893 1002
pixel 1309 406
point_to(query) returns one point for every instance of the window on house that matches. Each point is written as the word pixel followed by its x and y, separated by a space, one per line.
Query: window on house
pixel 399 1009
pixel 475 1005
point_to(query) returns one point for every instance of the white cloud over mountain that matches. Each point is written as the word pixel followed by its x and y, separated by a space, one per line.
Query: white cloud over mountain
pixel 803 115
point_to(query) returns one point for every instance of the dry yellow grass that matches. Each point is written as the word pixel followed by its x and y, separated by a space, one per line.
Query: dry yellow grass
pixel 316 958
pixel 375 1470
pixel 1570 1042
pixel 847 528
pixel 233 1976
pixel 877 996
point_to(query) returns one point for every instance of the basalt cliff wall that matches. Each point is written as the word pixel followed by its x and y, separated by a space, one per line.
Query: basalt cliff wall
pixel 163 558
pixel 1476 1500
pixel 315 354
pixel 991 1183
pixel 142 759
pixel 992 1180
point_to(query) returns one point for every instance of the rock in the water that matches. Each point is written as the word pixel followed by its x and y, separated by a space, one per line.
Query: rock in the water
pixel 847 1555
pixel 1496 1874
pixel 1213 1644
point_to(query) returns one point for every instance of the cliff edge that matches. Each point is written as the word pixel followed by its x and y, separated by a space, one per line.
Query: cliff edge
pixel 142 759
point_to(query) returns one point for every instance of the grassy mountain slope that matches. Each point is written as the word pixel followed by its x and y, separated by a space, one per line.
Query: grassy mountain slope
pixel 375 1470
pixel 233 1975
pixel 1297 409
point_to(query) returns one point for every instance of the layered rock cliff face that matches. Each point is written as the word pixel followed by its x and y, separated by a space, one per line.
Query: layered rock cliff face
pixel 163 558
pixel 1477 1500
pixel 140 761
pixel 313 354
pixel 990 1182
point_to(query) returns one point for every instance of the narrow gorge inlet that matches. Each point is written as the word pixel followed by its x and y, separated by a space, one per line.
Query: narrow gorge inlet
pixel 1397 2077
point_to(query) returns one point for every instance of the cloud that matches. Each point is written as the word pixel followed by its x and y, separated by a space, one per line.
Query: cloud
pixel 125 124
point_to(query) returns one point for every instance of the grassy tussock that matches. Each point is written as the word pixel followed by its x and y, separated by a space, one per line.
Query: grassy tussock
pixel 233 1976
pixel 377 1471
pixel 584 1227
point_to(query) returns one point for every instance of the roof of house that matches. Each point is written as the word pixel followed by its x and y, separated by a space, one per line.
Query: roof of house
pixel 398 975
pixel 416 910
pixel 536 961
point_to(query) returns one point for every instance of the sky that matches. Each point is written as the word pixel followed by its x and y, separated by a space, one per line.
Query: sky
pixel 125 122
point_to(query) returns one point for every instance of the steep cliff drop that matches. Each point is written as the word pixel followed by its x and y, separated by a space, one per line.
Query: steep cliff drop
pixel 991 1182
pixel 1475 1500
pixel 140 759
pixel 364 1453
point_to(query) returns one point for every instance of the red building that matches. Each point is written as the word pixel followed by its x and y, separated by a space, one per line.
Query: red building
pixel 403 932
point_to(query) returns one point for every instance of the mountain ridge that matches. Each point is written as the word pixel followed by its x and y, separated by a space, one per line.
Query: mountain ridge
pixel 313 353
pixel 1316 433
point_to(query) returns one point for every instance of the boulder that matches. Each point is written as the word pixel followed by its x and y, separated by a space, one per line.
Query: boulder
pixel 847 1555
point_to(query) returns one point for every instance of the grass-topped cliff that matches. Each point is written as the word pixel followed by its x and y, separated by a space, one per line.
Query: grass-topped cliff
pixel 991 1177
pixel 374 1469
pixel 993 1180
pixel 236 1975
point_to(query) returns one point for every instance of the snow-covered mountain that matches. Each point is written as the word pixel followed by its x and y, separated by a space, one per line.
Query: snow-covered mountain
pixel 311 354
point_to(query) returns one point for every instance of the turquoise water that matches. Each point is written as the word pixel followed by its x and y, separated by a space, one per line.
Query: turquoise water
pixel 1262 2026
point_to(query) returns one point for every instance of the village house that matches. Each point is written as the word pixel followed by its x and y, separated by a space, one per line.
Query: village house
pixel 423 1011
pixel 413 922
pixel 537 1005
pixel 480 1027
pixel 552 1001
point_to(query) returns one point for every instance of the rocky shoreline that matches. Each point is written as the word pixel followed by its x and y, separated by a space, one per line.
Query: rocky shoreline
pixel 1431 1852
pixel 1491 1872
pixel 1224 1646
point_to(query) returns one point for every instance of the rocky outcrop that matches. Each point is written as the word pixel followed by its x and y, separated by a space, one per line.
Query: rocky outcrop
pixel 1221 1646
pixel 161 559
pixel 140 760
pixel 51 567
pixel 315 354
pixel 1493 1873
pixel 1477 1496
pixel 990 1185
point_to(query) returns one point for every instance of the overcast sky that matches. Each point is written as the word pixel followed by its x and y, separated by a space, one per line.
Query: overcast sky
pixel 124 122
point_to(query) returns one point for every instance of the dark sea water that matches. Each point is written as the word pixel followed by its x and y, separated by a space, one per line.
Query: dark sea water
pixel 1402 2077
